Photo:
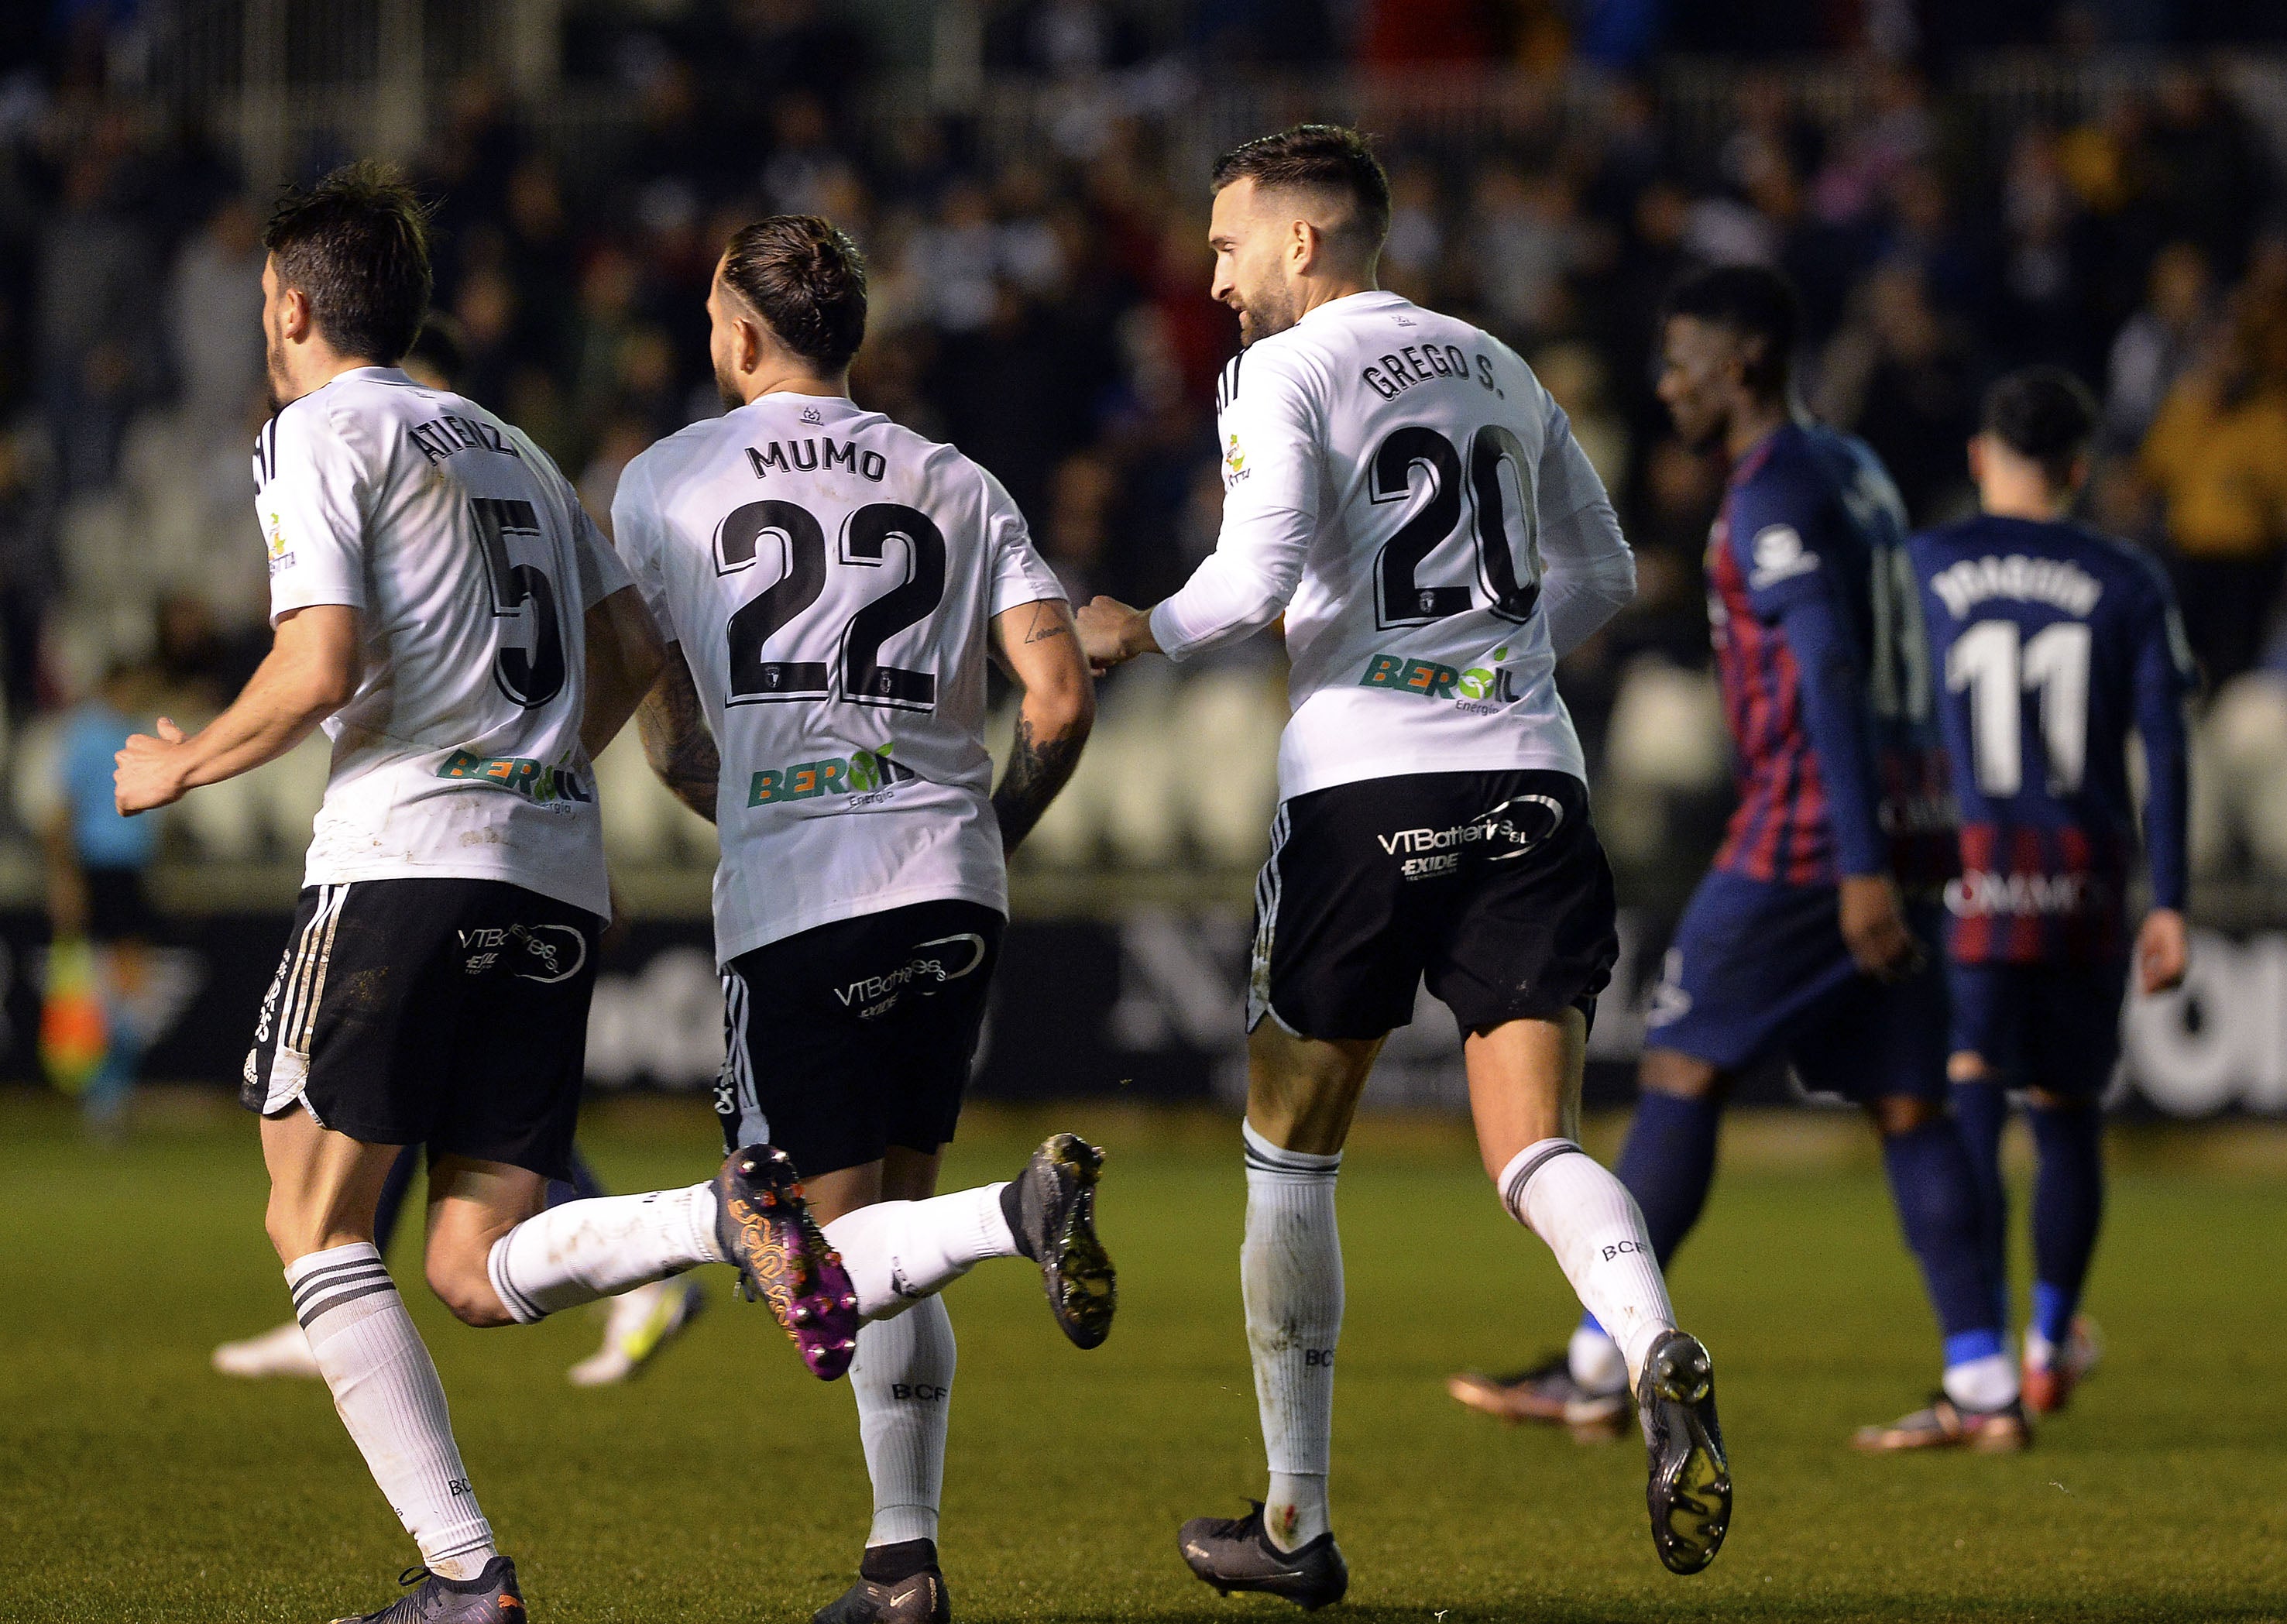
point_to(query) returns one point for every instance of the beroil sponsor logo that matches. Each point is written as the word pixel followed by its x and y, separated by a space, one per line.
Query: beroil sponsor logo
pixel 1479 688
pixel 866 776
pixel 557 788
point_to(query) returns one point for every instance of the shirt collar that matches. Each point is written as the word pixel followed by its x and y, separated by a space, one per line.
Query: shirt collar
pixel 1372 298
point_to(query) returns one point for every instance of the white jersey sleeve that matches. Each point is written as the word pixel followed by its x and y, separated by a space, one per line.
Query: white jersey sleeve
pixel 597 572
pixel 1020 575
pixel 313 489
pixel 1588 573
pixel 635 533
pixel 1272 433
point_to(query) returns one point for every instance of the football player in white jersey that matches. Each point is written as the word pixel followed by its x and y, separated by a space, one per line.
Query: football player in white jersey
pixel 831 586
pixel 1401 488
pixel 643 1322
pixel 469 640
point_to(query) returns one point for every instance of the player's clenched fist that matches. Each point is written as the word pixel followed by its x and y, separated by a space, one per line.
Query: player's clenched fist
pixel 149 774
pixel 1874 927
pixel 2162 950
pixel 1111 634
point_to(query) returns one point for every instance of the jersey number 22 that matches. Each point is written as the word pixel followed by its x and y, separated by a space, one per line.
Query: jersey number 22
pixel 863 678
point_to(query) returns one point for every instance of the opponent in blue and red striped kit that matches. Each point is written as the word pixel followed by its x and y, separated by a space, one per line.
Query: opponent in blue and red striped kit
pixel 2050 644
pixel 1837 771
pixel 1813 939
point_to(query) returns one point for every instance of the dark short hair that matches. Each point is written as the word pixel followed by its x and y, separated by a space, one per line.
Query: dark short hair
pixel 806 278
pixel 356 245
pixel 1751 301
pixel 1319 157
pixel 2044 414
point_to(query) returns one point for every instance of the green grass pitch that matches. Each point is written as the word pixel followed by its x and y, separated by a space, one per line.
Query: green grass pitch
pixel 726 1484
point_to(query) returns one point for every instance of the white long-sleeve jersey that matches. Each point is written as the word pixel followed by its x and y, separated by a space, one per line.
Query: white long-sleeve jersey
pixel 1401 488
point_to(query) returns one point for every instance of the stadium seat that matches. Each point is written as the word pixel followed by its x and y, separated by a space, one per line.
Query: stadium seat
pixel 1152 753
pixel 224 822
pixel 2246 730
pixel 33 769
pixel 1666 739
pixel 291 789
pixel 635 829
pixel 643 824
pixel 1226 776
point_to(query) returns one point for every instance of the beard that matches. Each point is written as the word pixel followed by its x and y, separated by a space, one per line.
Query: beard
pixel 274 377
pixel 1265 314
pixel 1703 436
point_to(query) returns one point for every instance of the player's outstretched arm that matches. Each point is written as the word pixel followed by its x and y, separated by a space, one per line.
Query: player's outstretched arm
pixel 1038 646
pixel 310 672
pixel 675 737
pixel 625 657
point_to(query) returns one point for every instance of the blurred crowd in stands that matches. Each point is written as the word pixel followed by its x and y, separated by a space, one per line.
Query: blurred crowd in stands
pixel 1042 303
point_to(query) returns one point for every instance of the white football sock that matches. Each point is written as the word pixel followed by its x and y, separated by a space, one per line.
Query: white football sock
pixel 1597 1363
pixel 583 1250
pixel 1590 1221
pixel 1290 1271
pixel 385 1388
pixel 903 1380
pixel 1985 1383
pixel 900 1252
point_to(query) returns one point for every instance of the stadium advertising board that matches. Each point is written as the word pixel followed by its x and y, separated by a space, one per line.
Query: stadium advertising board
pixel 1148 1006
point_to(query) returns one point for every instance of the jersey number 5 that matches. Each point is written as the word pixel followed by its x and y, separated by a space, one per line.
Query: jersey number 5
pixel 531 676
pixel 863 678
pixel 1507 574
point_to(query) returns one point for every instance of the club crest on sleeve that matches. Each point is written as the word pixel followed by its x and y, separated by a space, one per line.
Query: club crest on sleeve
pixel 1779 556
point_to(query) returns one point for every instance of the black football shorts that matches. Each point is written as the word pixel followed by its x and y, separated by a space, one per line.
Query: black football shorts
pixel 1491 885
pixel 449 1011
pixel 855 1035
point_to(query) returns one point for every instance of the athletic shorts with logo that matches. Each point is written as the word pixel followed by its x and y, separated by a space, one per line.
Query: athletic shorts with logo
pixel 846 1039
pixel 449 1011
pixel 1492 886
pixel 2055 1027
pixel 1759 970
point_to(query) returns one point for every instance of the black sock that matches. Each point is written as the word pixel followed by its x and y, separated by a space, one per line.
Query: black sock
pixel 1012 1208
pixel 886 1564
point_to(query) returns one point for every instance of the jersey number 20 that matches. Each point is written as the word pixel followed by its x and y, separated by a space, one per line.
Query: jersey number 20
pixel 1509 576
pixel 865 542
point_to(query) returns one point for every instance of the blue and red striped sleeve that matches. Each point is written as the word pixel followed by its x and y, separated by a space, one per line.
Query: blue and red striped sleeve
pixel 1775 534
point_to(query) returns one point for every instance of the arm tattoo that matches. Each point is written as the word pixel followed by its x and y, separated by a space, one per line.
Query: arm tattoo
pixel 1038 768
pixel 676 741
pixel 1049 621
